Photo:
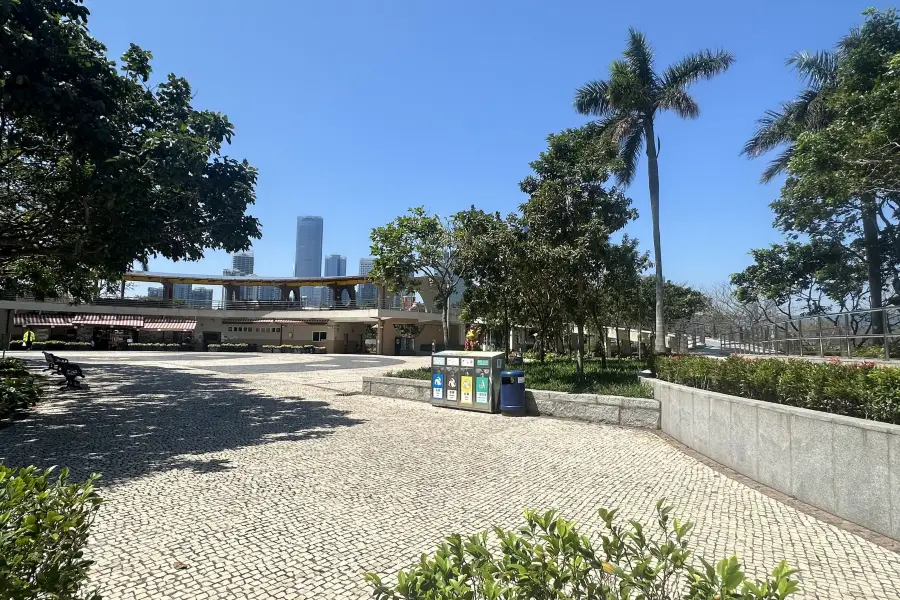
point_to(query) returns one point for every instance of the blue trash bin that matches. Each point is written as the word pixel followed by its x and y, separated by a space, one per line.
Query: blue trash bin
pixel 512 393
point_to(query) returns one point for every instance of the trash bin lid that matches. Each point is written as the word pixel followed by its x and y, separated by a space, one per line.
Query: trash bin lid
pixel 516 373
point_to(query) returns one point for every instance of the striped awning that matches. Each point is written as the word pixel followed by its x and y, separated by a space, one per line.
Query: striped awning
pixel 130 321
pixel 315 321
pixel 39 320
pixel 245 321
pixel 169 325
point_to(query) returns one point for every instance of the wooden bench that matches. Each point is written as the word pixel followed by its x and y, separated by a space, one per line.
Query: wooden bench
pixel 54 363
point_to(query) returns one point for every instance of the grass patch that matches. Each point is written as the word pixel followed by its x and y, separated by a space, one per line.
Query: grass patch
pixel 619 378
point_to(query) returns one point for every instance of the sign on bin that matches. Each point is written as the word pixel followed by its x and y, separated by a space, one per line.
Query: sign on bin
pixel 466 384
pixel 482 386
pixel 437 386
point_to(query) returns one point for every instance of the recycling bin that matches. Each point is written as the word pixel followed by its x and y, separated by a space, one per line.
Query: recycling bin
pixel 512 393
pixel 467 380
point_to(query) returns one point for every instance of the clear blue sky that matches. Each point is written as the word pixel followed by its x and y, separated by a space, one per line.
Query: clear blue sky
pixel 357 110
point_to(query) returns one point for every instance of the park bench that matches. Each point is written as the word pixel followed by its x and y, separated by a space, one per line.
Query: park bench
pixel 62 366
pixel 71 372
pixel 54 363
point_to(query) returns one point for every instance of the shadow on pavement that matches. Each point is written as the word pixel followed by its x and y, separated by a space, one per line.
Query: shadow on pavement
pixel 135 420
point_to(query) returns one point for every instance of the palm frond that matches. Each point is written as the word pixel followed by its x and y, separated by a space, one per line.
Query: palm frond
pixel 639 56
pixel 625 91
pixel 694 67
pixel 817 70
pixel 772 129
pixel 592 98
pixel 631 143
pixel 680 101
pixel 777 166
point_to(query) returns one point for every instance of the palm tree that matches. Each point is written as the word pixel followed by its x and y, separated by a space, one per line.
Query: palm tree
pixel 627 104
pixel 808 113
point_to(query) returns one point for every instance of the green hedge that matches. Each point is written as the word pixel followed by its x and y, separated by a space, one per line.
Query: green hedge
pixel 548 558
pixel 17 394
pixel 861 390
pixel 153 346
pixel 44 523
pixel 12 367
pixel 60 345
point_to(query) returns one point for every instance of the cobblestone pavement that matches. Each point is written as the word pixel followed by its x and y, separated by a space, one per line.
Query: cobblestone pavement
pixel 265 482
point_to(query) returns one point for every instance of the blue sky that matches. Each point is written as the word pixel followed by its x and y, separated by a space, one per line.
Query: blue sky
pixel 357 110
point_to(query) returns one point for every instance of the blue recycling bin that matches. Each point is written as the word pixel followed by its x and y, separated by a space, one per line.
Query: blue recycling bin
pixel 512 393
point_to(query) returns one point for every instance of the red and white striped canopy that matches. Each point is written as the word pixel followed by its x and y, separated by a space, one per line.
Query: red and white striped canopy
pixel 130 321
pixel 169 325
pixel 39 320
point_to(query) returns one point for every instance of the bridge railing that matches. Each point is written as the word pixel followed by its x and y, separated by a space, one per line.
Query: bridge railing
pixel 214 305
pixel 870 333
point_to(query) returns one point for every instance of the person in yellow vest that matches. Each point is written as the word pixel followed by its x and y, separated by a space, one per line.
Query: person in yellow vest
pixel 28 339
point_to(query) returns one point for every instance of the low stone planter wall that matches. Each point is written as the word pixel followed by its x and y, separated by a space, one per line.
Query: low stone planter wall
pixel 616 410
pixel 848 467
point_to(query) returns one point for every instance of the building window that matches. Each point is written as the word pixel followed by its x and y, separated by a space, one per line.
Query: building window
pixel 229 329
pixel 278 330
pixel 257 330
pixel 319 336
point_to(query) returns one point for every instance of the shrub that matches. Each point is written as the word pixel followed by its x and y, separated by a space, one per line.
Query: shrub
pixel 548 558
pixel 17 394
pixel 13 367
pixel 861 390
pixel 61 345
pixel 152 346
pixel 44 523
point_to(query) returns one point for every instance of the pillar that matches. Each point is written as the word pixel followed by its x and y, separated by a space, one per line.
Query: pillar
pixel 168 289
pixel 285 292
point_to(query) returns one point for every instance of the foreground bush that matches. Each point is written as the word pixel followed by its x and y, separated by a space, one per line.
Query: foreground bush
pixel 861 390
pixel 17 394
pixel 548 558
pixel 44 522
pixel 12 367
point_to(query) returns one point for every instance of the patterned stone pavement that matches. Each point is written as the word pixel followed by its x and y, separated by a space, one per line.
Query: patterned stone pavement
pixel 263 481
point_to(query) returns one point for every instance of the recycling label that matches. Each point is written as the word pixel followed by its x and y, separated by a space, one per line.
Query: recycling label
pixel 437 386
pixel 466 385
pixel 482 389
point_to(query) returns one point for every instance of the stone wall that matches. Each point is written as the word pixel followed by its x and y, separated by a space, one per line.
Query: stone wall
pixel 616 410
pixel 848 467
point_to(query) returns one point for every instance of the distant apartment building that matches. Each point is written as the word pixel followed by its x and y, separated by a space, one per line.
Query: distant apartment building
pixel 242 262
pixel 367 293
pixel 181 291
pixel 268 293
pixel 155 292
pixel 335 265
pixel 201 297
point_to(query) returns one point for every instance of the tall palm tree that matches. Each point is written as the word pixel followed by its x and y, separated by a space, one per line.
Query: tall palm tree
pixel 807 112
pixel 627 104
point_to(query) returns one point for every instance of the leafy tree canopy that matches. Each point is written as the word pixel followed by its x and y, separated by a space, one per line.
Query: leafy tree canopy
pixel 99 168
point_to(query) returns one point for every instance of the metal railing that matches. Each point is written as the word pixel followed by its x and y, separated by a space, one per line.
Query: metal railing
pixel 249 305
pixel 873 333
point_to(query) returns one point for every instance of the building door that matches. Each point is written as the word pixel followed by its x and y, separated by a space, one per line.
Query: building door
pixel 211 337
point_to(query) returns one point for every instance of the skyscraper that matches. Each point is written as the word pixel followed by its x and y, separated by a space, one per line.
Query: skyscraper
pixel 308 254
pixel 155 291
pixel 367 294
pixel 243 262
pixel 335 265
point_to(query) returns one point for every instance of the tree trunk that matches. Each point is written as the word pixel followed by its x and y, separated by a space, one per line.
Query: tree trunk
pixel 445 321
pixel 653 174
pixel 873 260
pixel 579 351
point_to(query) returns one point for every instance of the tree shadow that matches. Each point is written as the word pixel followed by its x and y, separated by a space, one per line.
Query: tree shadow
pixel 135 420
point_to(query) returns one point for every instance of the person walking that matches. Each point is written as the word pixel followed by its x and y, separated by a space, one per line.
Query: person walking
pixel 28 339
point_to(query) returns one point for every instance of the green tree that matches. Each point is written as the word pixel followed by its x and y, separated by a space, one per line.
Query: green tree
pixel 494 255
pixel 571 214
pixel 627 104
pixel 98 168
pixel 818 131
pixel 421 244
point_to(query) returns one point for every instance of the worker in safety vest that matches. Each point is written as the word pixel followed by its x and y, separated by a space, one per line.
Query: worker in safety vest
pixel 28 339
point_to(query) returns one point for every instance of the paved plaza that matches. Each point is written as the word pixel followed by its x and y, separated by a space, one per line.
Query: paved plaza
pixel 265 476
